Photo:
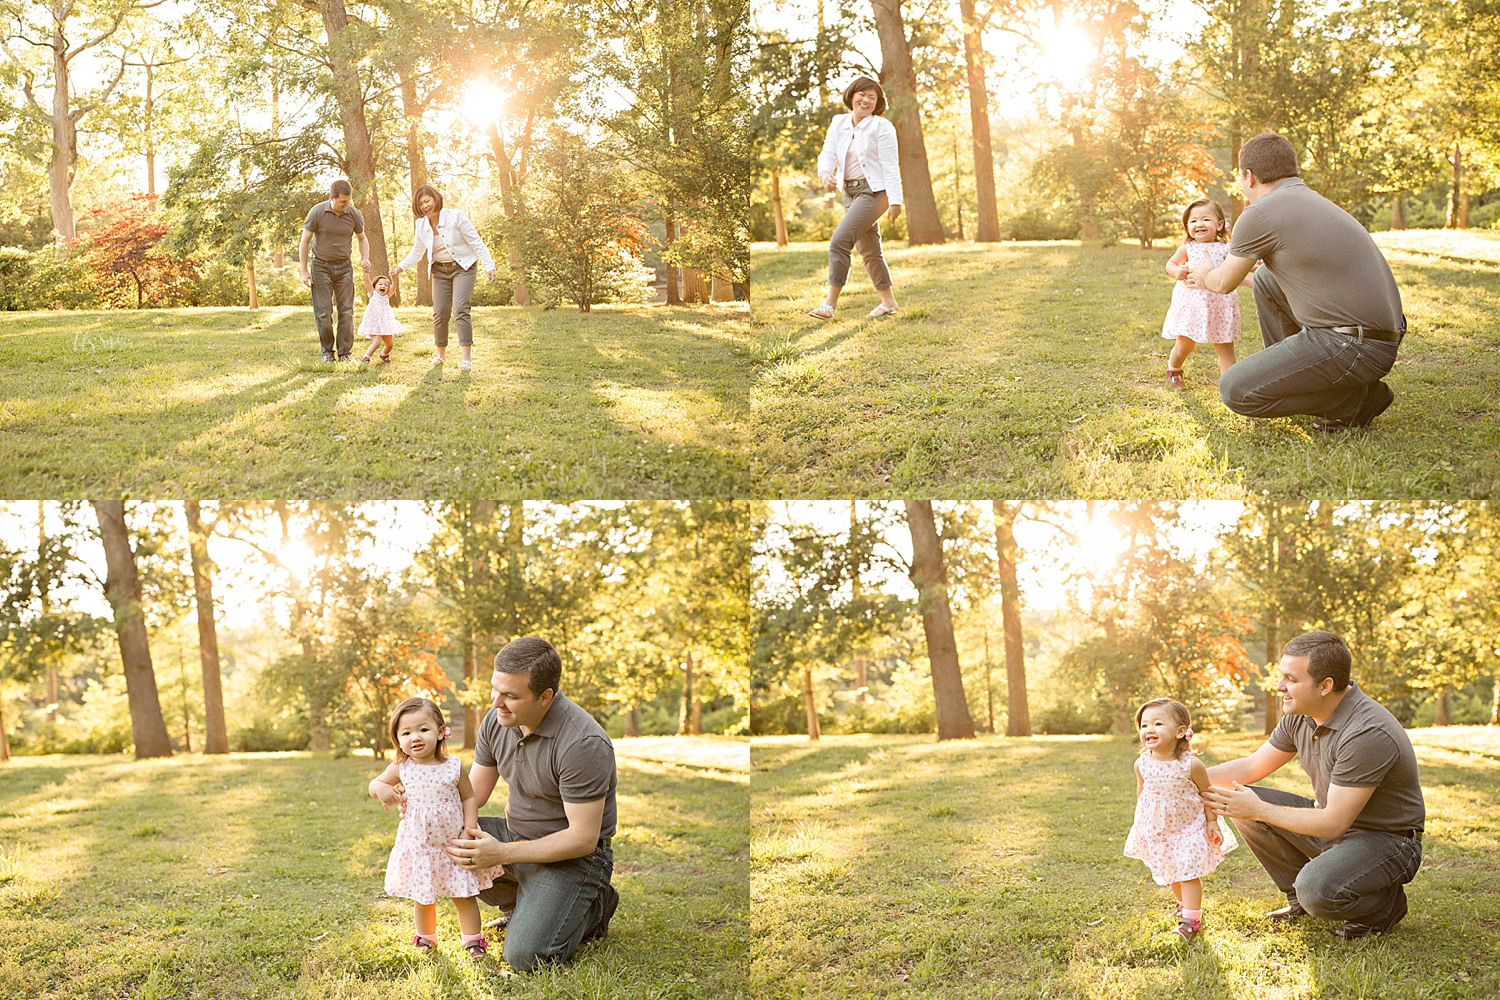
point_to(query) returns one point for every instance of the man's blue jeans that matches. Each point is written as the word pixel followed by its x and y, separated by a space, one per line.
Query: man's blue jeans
pixel 551 906
pixel 333 286
pixel 1302 370
pixel 1354 878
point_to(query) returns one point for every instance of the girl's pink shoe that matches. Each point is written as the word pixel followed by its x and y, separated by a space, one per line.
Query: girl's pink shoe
pixel 1188 929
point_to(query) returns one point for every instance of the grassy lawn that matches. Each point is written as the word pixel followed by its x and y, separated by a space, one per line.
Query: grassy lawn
pixel 261 875
pixel 896 866
pixel 1021 369
pixel 628 402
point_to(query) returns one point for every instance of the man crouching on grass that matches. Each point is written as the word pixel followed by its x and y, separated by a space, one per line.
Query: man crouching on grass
pixel 1347 854
pixel 554 840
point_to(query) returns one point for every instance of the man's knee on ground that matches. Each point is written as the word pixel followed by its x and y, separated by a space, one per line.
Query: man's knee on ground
pixel 1235 396
pixel 1319 897
pixel 525 957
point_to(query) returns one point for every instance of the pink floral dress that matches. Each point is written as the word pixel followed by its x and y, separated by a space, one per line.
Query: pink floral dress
pixel 379 319
pixel 419 868
pixel 1202 316
pixel 1169 832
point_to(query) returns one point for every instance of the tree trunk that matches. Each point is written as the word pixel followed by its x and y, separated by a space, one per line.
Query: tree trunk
pixel 778 210
pixel 1458 185
pixel 1398 210
pixel 979 118
pixel 358 151
pixel 862 679
pixel 250 278
pixel 64 141
pixel 122 587
pixel 1495 701
pixel 693 288
pixel 931 579
pixel 510 200
pixel 720 288
pixel 809 701
pixel 685 716
pixel 899 80
pixel 1440 708
pixel 674 292
pixel 1018 720
pixel 633 721
pixel 1273 650
pixel 416 169
pixel 215 733
pixel 4 739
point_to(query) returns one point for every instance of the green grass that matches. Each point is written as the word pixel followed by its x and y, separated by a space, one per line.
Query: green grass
pixel 261 875
pixel 627 402
pixel 1021 369
pixel 891 866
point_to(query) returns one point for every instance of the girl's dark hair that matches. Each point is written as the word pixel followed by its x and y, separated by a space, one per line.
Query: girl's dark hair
pixel 865 83
pixel 1179 712
pixel 418 705
pixel 1218 210
pixel 379 278
pixel 416 199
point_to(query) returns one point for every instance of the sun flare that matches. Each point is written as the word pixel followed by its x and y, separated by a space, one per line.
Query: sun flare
pixel 483 102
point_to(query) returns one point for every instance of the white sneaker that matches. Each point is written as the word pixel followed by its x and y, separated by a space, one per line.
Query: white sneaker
pixel 464 365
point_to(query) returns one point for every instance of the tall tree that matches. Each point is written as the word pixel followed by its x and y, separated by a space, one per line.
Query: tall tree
pixel 216 735
pixel 898 78
pixel 122 588
pixel 1018 718
pixel 988 229
pixel 65 32
pixel 930 577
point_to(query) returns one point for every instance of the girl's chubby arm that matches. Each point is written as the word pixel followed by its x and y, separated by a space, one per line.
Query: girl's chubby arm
pixel 386 786
pixel 468 798
pixel 1177 263
pixel 1199 774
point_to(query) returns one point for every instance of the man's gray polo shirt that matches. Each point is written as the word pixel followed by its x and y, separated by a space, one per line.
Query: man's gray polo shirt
pixel 333 234
pixel 568 758
pixel 1360 745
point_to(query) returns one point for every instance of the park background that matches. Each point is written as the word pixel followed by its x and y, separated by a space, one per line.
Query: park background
pixel 987 862
pixel 195 695
pixel 1047 151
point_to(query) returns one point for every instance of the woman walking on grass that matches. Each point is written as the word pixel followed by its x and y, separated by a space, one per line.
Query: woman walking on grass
pixel 860 150
pixel 453 247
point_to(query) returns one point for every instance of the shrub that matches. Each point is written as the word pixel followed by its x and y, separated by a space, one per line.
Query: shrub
pixel 264 735
pixel 109 738
pixel 52 277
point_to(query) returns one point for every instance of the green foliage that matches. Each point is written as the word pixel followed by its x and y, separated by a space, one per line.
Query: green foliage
pixel 579 234
pixel 265 733
pixel 51 277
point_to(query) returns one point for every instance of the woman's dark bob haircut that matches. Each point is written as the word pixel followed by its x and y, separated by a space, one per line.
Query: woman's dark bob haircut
pixel 865 83
pixel 416 199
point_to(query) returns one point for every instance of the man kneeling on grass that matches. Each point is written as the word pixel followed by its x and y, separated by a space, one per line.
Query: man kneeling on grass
pixel 1347 854
pixel 554 840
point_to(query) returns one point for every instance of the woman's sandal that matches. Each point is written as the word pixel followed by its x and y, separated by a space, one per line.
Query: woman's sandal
pixel 476 948
pixel 424 942
pixel 824 311
pixel 881 310
pixel 1174 376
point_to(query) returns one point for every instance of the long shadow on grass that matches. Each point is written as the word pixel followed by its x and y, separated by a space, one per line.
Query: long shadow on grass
pixel 948 871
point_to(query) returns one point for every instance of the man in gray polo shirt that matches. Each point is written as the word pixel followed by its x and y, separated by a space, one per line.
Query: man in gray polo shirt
pixel 1347 854
pixel 554 840
pixel 1330 313
pixel 329 232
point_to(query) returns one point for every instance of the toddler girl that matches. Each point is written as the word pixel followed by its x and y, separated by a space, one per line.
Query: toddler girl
pixel 379 322
pixel 439 804
pixel 1174 833
pixel 1198 316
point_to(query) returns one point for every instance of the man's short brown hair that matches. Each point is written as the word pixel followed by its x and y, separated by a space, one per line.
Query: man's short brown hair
pixel 340 187
pixel 529 654
pixel 1269 157
pixel 1327 655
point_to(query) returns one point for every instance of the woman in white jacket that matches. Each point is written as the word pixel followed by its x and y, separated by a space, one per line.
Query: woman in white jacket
pixel 859 156
pixel 453 249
